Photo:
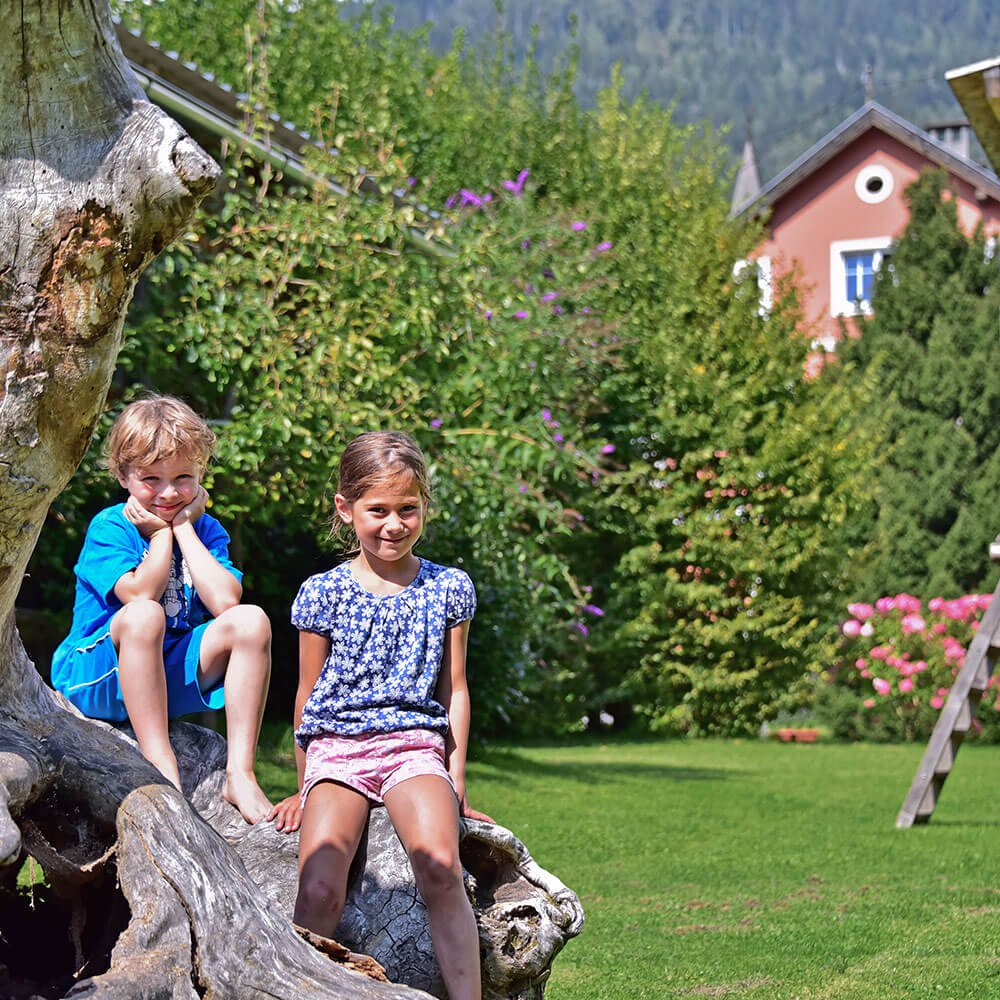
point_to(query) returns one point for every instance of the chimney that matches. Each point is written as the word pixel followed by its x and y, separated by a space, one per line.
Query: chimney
pixel 956 137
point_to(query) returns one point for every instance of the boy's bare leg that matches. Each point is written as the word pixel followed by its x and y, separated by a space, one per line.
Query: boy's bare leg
pixel 137 632
pixel 424 812
pixel 238 645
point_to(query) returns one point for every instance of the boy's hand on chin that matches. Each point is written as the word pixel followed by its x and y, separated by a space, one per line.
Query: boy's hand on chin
pixel 194 510
pixel 146 521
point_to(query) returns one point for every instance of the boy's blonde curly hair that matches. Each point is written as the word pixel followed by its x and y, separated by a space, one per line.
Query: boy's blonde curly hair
pixel 158 427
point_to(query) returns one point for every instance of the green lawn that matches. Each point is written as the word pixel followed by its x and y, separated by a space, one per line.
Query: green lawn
pixel 756 870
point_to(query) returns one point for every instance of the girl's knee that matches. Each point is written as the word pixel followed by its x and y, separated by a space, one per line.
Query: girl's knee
pixel 319 894
pixel 437 872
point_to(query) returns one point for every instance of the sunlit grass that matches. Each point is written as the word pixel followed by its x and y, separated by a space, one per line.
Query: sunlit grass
pixel 754 870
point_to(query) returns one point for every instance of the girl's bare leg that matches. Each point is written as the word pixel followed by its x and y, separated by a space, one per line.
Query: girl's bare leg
pixel 333 821
pixel 238 645
pixel 137 632
pixel 424 811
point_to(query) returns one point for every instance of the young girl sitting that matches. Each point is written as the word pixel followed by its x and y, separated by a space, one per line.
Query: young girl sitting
pixel 382 710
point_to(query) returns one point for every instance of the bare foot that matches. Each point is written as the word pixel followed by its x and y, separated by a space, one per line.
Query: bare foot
pixel 241 790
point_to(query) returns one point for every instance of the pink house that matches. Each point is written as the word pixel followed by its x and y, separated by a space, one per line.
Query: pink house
pixel 834 213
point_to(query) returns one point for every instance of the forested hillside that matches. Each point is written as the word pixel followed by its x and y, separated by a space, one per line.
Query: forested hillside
pixel 797 65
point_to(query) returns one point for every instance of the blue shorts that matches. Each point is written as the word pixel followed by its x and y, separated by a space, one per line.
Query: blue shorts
pixel 91 683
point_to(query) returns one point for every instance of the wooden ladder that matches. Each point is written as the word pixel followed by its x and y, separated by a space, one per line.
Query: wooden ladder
pixel 956 717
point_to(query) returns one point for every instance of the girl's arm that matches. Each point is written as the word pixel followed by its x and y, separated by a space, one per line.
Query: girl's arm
pixel 217 588
pixel 149 579
pixel 313 651
pixel 452 692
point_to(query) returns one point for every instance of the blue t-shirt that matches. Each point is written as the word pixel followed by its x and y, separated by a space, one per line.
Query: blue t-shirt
pixel 114 547
pixel 385 651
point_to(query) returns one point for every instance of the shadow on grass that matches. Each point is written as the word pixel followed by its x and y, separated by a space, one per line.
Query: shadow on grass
pixel 958 824
pixel 513 765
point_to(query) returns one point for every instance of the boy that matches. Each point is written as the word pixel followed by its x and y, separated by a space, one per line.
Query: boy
pixel 158 629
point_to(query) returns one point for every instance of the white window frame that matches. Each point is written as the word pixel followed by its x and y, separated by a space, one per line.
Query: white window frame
pixel 839 303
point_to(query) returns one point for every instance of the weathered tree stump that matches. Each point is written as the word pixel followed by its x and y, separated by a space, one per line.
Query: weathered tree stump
pixel 524 913
pixel 145 898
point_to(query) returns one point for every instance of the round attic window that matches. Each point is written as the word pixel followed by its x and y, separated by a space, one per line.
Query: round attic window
pixel 873 184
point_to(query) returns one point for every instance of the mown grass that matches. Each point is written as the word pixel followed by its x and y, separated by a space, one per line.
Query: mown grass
pixel 754 870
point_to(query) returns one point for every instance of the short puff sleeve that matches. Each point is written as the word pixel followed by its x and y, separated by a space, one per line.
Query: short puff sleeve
pixel 461 604
pixel 312 607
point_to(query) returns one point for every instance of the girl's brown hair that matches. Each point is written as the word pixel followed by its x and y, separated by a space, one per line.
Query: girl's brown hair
pixel 150 430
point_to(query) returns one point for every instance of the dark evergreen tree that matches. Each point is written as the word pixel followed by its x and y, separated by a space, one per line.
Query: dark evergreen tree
pixel 934 345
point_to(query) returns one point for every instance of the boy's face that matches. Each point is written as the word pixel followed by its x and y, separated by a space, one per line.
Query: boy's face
pixel 165 487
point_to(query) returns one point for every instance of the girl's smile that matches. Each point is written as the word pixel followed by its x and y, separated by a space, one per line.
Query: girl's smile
pixel 388 521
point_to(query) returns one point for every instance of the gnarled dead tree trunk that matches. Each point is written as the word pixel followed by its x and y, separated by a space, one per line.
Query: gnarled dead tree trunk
pixel 147 899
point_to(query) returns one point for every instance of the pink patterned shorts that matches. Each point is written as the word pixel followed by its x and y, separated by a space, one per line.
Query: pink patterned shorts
pixel 372 765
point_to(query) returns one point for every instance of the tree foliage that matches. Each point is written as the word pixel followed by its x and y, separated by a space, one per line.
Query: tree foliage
pixel 932 345
pixel 652 498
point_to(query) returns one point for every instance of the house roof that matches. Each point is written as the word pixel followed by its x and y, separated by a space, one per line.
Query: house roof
pixel 869 116
pixel 977 88
pixel 197 98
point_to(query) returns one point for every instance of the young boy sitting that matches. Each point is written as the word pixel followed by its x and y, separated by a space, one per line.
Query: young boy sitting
pixel 158 629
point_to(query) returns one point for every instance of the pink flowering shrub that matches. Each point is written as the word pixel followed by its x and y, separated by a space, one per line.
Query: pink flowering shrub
pixel 899 659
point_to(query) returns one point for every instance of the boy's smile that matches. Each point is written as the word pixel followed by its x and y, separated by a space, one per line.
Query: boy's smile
pixel 164 488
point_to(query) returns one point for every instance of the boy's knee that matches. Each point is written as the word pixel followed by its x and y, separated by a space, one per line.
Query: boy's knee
pixel 247 623
pixel 142 620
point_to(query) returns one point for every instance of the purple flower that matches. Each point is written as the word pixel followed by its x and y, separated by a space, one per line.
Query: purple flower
pixel 522 488
pixel 547 272
pixel 549 296
pixel 488 314
pixel 521 314
pixel 578 227
pixel 608 449
pixel 558 438
pixel 546 415
pixel 593 609
pixel 585 310
pixel 557 310
pixel 410 181
pixel 436 423
pixel 525 244
pixel 601 247
pixel 581 628
pixel 450 203
pixel 516 187
pixel 470 198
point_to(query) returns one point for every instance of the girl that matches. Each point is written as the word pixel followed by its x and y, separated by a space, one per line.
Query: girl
pixel 382 709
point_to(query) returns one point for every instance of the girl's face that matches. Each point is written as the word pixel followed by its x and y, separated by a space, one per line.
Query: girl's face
pixel 388 519
pixel 165 487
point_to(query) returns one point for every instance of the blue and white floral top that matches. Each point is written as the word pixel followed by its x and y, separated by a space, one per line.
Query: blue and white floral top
pixel 385 651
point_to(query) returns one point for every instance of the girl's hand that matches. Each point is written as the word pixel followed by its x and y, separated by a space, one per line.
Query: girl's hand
pixel 194 510
pixel 146 521
pixel 466 811
pixel 287 814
